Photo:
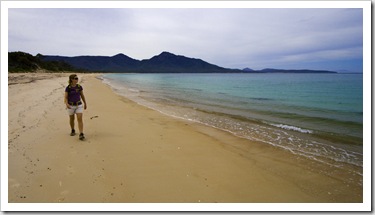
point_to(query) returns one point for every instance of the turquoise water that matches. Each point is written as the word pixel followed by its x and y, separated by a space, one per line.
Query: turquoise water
pixel 319 116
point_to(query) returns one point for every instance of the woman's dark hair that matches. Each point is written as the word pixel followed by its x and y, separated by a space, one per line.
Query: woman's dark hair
pixel 71 77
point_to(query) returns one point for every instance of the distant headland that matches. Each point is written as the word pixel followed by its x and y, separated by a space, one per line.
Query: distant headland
pixel 165 62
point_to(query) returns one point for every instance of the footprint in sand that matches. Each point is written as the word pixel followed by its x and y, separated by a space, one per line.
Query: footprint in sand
pixel 62 196
pixel 71 170
pixel 13 183
pixel 64 193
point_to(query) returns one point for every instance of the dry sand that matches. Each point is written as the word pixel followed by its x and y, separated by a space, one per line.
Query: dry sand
pixel 135 154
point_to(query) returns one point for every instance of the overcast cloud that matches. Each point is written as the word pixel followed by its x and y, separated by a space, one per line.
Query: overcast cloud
pixel 328 39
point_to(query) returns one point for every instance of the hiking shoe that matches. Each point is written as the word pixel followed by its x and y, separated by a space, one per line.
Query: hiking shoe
pixel 73 132
pixel 81 136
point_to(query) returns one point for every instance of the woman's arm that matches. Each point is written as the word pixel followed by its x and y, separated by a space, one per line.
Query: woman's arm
pixel 66 100
pixel 84 100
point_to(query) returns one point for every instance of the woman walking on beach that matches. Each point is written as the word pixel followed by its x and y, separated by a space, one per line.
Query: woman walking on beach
pixel 72 99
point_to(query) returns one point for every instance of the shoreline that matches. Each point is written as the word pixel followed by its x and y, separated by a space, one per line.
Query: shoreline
pixel 314 147
pixel 135 154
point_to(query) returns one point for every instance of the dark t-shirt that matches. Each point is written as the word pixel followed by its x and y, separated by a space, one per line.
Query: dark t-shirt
pixel 74 93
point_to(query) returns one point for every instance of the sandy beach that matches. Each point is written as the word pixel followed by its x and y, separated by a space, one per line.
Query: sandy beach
pixel 133 154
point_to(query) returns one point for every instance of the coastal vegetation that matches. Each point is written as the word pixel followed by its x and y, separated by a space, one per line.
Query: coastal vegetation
pixel 24 62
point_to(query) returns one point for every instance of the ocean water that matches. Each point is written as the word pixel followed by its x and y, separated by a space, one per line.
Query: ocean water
pixel 318 116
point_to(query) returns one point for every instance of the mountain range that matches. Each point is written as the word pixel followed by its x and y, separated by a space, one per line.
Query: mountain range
pixel 165 62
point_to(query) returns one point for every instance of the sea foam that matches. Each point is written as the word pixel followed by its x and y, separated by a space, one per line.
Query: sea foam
pixel 293 128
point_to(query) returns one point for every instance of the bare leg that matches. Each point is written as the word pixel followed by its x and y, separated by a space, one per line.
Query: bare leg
pixel 80 122
pixel 71 118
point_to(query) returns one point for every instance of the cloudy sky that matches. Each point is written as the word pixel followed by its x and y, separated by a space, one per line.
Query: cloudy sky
pixel 329 39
